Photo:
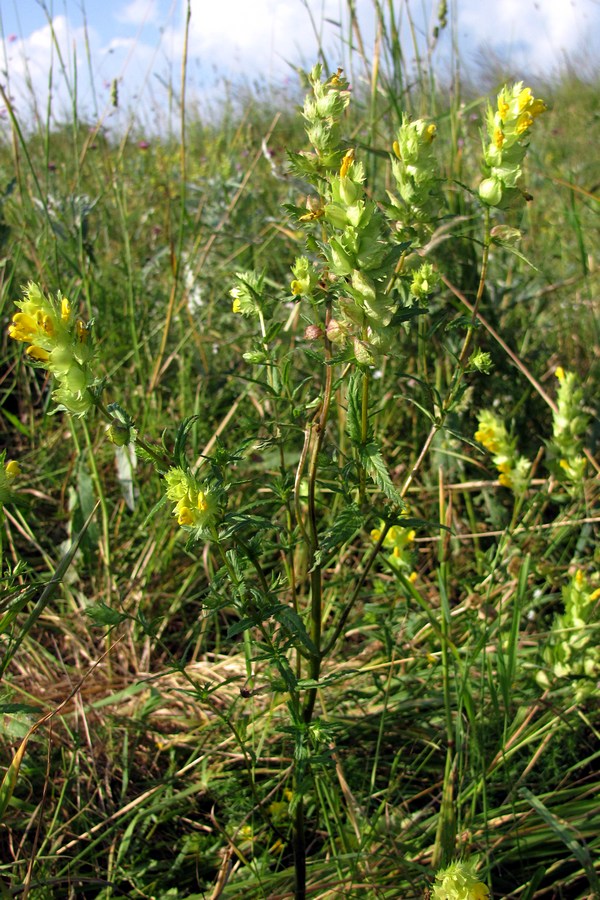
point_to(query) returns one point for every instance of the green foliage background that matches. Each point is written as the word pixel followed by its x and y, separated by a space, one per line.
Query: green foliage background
pixel 167 773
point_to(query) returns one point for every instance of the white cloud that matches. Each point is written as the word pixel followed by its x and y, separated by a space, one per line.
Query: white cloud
pixel 138 12
pixel 28 62
pixel 254 38
pixel 537 35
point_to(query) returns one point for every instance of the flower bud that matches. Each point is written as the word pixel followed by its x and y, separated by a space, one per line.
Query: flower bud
pixel 313 333
pixel 119 434
pixel 336 332
pixel 362 352
pixel 257 357
pixel 490 191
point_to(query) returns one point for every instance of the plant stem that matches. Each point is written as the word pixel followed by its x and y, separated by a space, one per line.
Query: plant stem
pixel 364 431
pixel 316 573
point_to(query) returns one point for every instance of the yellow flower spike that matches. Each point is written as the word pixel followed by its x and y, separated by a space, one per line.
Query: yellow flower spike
pixel 346 163
pixel 459 881
pixel 12 468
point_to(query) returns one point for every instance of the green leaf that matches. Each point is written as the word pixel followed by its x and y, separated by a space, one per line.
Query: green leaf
pixel 241 626
pixel 345 525
pixel 181 440
pixel 12 708
pixel 567 835
pixel 83 504
pixel 375 467
pixel 16 422
pixel 105 615
pixel 289 619
pixel 354 417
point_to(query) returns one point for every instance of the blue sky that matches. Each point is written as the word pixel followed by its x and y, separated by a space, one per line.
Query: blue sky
pixel 139 43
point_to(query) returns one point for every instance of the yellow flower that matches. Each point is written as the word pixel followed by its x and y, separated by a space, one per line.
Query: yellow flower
pixel 12 468
pixel 560 373
pixel 8 473
pixel 58 342
pixel 524 122
pixel 524 98
pixel 194 506
pixel 346 163
pixel 37 353
pixel 459 882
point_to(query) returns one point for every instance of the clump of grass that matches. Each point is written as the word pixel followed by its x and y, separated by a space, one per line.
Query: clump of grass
pixel 328 659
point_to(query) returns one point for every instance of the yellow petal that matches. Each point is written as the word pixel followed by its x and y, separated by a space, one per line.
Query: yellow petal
pixel 346 163
pixel 38 353
pixel 185 516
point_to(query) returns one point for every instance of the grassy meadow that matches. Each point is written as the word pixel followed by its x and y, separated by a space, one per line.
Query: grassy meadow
pixel 317 618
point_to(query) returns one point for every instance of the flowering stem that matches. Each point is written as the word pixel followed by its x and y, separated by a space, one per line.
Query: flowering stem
pixel 314 436
pixel 316 574
pixel 462 360
pixel 364 431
